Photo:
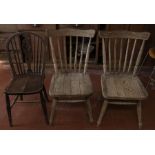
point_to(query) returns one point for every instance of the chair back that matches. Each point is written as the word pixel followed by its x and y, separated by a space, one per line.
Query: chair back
pixel 26 52
pixel 70 49
pixel 122 50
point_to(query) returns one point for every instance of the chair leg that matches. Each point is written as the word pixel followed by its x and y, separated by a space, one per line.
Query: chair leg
pixel 21 97
pixel 45 94
pixel 103 109
pixel 44 107
pixel 89 110
pixel 139 113
pixel 8 107
pixel 52 111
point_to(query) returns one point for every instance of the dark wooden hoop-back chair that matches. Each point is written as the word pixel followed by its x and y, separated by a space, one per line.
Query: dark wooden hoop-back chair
pixel 26 53
pixel 70 54
pixel 122 53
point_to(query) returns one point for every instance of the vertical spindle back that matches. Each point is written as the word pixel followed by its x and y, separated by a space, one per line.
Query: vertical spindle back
pixel 122 50
pixel 26 53
pixel 70 49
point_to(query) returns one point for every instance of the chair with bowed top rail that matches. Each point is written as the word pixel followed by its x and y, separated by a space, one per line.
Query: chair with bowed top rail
pixel 122 52
pixel 70 55
pixel 26 53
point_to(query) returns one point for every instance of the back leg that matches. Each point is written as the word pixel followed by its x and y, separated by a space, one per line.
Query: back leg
pixel 103 110
pixel 8 107
pixel 52 111
pixel 139 114
pixel 45 94
pixel 89 109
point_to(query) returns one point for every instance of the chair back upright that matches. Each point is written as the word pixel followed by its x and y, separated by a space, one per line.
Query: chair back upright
pixel 70 49
pixel 26 53
pixel 122 51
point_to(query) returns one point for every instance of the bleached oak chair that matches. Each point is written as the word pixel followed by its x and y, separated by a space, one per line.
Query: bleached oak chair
pixel 70 55
pixel 122 52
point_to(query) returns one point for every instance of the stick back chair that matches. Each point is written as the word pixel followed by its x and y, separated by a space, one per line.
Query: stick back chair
pixel 122 54
pixel 26 53
pixel 70 55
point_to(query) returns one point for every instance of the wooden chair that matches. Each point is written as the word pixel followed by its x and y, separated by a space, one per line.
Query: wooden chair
pixel 26 52
pixel 122 52
pixel 70 54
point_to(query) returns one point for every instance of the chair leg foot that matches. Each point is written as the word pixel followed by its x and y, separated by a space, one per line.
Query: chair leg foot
pixel 8 107
pixel 103 109
pixel 44 107
pixel 89 109
pixel 139 114
pixel 52 111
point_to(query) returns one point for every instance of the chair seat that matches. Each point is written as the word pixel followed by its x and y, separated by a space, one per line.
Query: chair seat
pixel 70 85
pixel 25 84
pixel 122 87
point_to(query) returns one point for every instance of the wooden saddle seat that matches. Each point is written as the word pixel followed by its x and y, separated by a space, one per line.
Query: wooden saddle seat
pixel 123 87
pixel 71 86
pixel 27 84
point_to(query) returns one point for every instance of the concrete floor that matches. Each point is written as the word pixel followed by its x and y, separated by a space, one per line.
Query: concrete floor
pixel 69 116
